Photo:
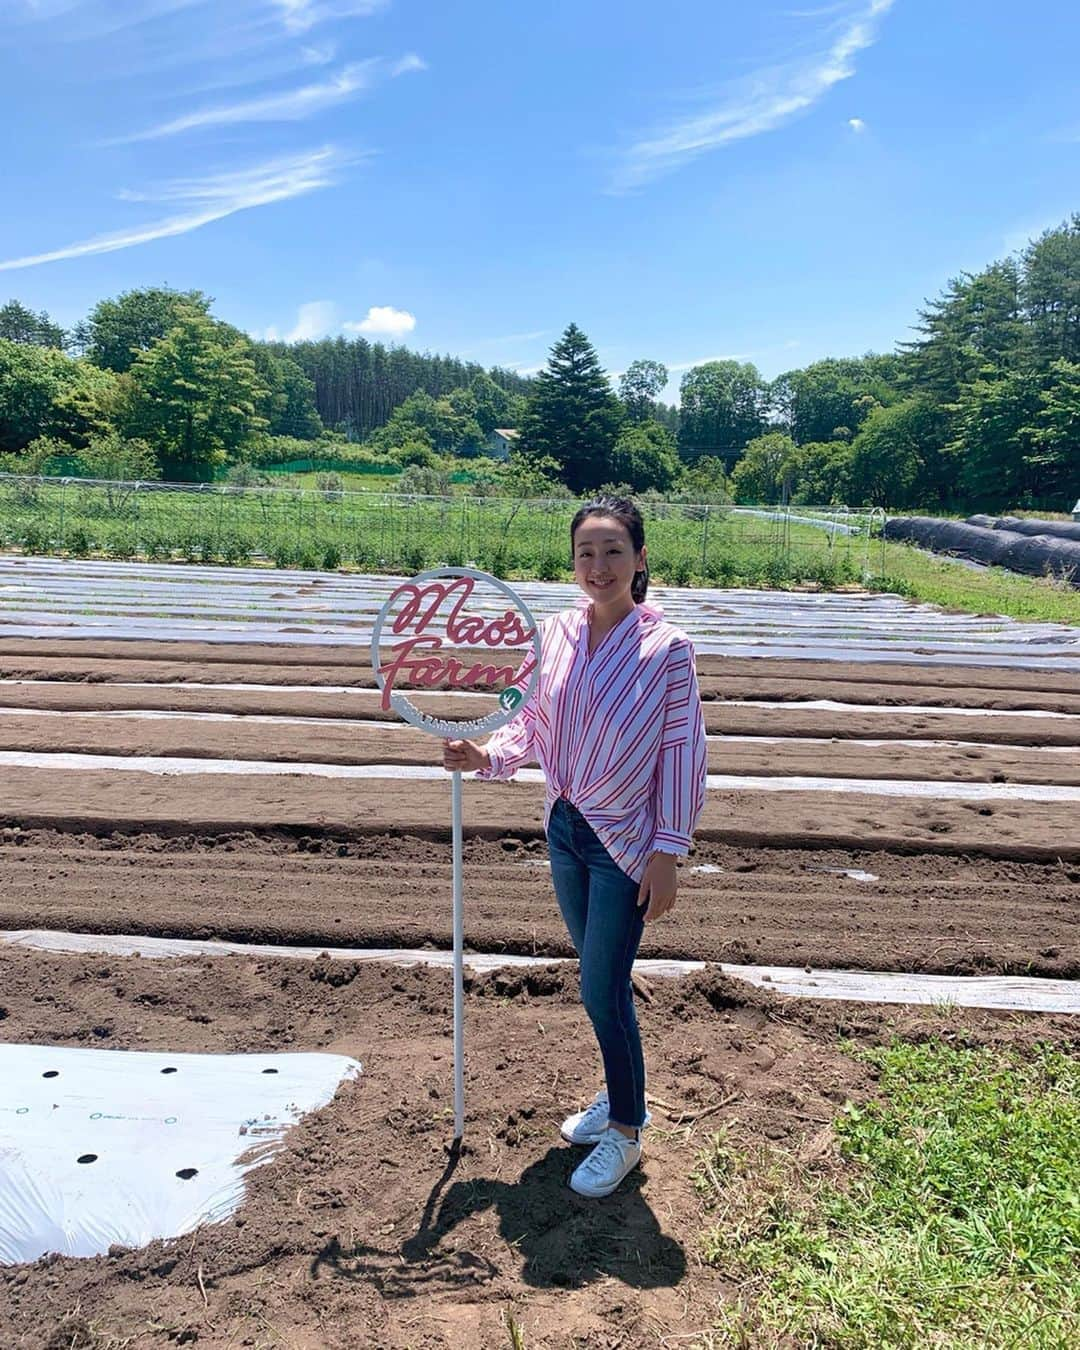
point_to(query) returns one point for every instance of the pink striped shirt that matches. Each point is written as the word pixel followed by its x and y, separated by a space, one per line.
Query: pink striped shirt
pixel 619 733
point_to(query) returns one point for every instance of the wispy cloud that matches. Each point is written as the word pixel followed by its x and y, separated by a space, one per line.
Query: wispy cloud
pixel 301 15
pixel 210 198
pixel 408 63
pixel 763 102
pixel 384 320
pixel 291 105
pixel 314 319
pixel 704 361
pixel 857 125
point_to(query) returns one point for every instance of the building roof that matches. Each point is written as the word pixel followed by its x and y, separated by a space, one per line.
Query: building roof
pixel 508 432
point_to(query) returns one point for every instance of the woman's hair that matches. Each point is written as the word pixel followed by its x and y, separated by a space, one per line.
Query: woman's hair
pixel 626 513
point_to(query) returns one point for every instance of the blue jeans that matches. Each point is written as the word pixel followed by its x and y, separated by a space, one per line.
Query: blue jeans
pixel 599 904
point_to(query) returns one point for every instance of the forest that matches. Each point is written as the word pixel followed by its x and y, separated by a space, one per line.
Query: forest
pixel 978 410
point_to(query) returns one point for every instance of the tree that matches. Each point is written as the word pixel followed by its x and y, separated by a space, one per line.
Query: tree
pixel 19 324
pixel 639 386
pixel 822 399
pixel 533 476
pixel 135 320
pixel 897 460
pixel 445 424
pixel 645 456
pixel 1056 452
pixel 45 393
pixel 976 323
pixel 495 406
pixel 572 416
pixel 822 473
pixel 723 408
pixel 1050 290
pixel 767 470
pixel 289 406
pixel 114 459
pixel 994 440
pixel 194 396
pixel 704 481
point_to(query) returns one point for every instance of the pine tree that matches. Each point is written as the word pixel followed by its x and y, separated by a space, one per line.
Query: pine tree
pixel 572 415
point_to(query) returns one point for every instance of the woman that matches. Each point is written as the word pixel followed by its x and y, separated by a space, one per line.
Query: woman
pixel 616 726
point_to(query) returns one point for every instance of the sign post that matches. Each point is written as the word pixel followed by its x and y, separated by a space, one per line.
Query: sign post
pixel 426 637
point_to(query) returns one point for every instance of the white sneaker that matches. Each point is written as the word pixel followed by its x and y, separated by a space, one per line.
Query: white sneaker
pixel 586 1127
pixel 606 1166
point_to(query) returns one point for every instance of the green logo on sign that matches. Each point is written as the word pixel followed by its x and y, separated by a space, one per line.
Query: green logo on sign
pixel 510 698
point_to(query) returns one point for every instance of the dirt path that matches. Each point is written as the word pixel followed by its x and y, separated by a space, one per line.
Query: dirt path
pixel 360 1233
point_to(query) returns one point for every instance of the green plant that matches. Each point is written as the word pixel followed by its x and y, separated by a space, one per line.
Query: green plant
pixel 235 550
pixel 332 557
pixel 414 558
pixel 80 542
pixel 33 538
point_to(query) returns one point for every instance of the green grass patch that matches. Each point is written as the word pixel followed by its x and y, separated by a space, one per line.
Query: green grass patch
pixel 948 1217
pixel 993 591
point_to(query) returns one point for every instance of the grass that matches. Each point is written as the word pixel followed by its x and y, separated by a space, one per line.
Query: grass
pixel 940 581
pixel 947 1217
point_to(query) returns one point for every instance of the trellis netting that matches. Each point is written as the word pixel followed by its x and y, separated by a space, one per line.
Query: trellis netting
pixel 103 1147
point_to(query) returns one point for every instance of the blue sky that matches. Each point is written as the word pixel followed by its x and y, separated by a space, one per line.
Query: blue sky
pixel 708 178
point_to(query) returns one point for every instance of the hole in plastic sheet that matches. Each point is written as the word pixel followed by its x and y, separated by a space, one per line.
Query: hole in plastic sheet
pixel 269 1070
pixel 87 1158
pixel 168 1071
pixel 186 1173
pixel 51 1073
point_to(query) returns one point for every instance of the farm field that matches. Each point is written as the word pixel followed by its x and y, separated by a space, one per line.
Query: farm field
pixel 201 753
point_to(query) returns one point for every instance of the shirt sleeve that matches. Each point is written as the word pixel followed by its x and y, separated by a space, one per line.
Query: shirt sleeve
pixel 511 746
pixel 682 767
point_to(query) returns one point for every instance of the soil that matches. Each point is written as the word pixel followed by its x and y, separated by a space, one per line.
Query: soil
pixel 366 1230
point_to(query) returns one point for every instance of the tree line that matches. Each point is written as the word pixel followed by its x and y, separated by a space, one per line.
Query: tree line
pixel 980 409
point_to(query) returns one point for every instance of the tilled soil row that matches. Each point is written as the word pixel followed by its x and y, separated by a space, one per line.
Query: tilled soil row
pixel 720 719
pixel 327 742
pixel 719 676
pixel 97 800
pixel 363 1231
pixel 755 906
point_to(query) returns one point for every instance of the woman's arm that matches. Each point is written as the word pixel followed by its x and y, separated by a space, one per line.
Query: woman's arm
pixel 682 766
pixel 680 782
pixel 507 750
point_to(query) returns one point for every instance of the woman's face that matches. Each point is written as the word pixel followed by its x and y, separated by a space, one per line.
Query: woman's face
pixel 604 559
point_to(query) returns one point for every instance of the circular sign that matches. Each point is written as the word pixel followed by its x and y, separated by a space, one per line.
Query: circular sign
pixel 434 626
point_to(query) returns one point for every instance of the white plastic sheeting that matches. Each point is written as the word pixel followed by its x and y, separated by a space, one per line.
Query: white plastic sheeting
pixel 106 1146
pixel 1021 992
pixel 174 765
pixel 69 598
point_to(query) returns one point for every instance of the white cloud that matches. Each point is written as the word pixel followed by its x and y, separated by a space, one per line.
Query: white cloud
pixel 290 106
pixel 764 101
pixel 704 361
pixel 856 124
pixel 210 198
pixel 385 320
pixel 318 53
pixel 301 15
pixel 314 319
pixel 407 64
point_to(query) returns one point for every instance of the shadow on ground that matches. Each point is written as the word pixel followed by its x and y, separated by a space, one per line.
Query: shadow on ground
pixel 563 1240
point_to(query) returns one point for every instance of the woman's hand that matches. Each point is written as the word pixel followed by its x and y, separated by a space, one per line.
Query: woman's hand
pixel 658 886
pixel 464 757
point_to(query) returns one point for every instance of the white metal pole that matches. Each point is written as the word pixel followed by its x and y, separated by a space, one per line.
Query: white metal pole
pixel 459 985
